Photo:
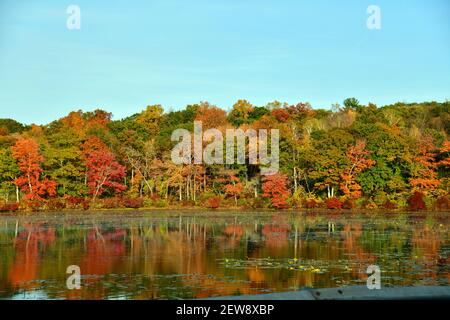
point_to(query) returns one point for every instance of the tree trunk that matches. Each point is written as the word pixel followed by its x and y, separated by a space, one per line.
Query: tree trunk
pixel 187 188
pixel 295 179
pixel 193 187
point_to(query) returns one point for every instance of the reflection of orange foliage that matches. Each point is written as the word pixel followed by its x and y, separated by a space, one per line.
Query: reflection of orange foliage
pixel 256 275
pixel 427 243
pixel 28 242
pixel 233 230
pixel 25 267
pixel 351 233
pixel 102 252
pixel 189 253
pixel 276 235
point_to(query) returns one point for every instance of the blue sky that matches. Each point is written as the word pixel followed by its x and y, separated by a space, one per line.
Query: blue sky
pixel 129 54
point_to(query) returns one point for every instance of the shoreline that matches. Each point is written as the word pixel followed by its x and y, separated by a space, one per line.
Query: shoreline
pixel 236 210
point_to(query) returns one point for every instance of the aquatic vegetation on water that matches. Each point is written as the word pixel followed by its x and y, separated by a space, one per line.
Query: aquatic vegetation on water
pixel 269 263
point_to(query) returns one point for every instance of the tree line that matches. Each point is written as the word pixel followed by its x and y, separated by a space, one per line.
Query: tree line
pixel 350 156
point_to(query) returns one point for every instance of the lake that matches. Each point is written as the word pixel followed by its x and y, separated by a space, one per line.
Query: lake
pixel 178 255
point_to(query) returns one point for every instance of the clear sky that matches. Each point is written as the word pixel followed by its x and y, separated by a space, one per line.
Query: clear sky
pixel 129 54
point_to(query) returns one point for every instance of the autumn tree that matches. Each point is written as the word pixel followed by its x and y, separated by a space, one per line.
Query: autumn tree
pixel 275 188
pixel 29 160
pixel 424 173
pixel 444 164
pixel 240 113
pixel 358 158
pixel 282 115
pixel 176 179
pixel 84 123
pixel 234 188
pixel 211 116
pixel 150 118
pixel 103 171
pixel 144 166
pixel 300 111
pixel 444 153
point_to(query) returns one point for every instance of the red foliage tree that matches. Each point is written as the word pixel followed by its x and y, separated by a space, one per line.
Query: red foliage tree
pixel 26 153
pixel 390 205
pixel 134 203
pixel 301 111
pixel 275 188
pixel 213 203
pixel 9 207
pixel 416 201
pixel 334 203
pixel 310 204
pixel 282 115
pixel 103 169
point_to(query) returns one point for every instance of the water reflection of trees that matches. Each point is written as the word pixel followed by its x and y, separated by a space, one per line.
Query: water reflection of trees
pixel 182 257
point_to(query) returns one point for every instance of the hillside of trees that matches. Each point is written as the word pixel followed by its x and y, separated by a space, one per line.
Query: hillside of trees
pixel 352 156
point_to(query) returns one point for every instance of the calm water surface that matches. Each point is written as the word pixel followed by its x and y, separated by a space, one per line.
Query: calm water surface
pixel 173 255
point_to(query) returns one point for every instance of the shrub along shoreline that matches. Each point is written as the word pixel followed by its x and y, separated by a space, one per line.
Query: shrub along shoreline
pixel 416 202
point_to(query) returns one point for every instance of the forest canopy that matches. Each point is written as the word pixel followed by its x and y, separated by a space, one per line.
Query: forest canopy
pixel 353 155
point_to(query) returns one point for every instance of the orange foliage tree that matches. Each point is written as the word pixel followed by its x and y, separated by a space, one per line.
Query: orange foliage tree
pixel 281 115
pixel 444 153
pixel 358 162
pixel 424 173
pixel 234 188
pixel 81 122
pixel 26 152
pixel 211 116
